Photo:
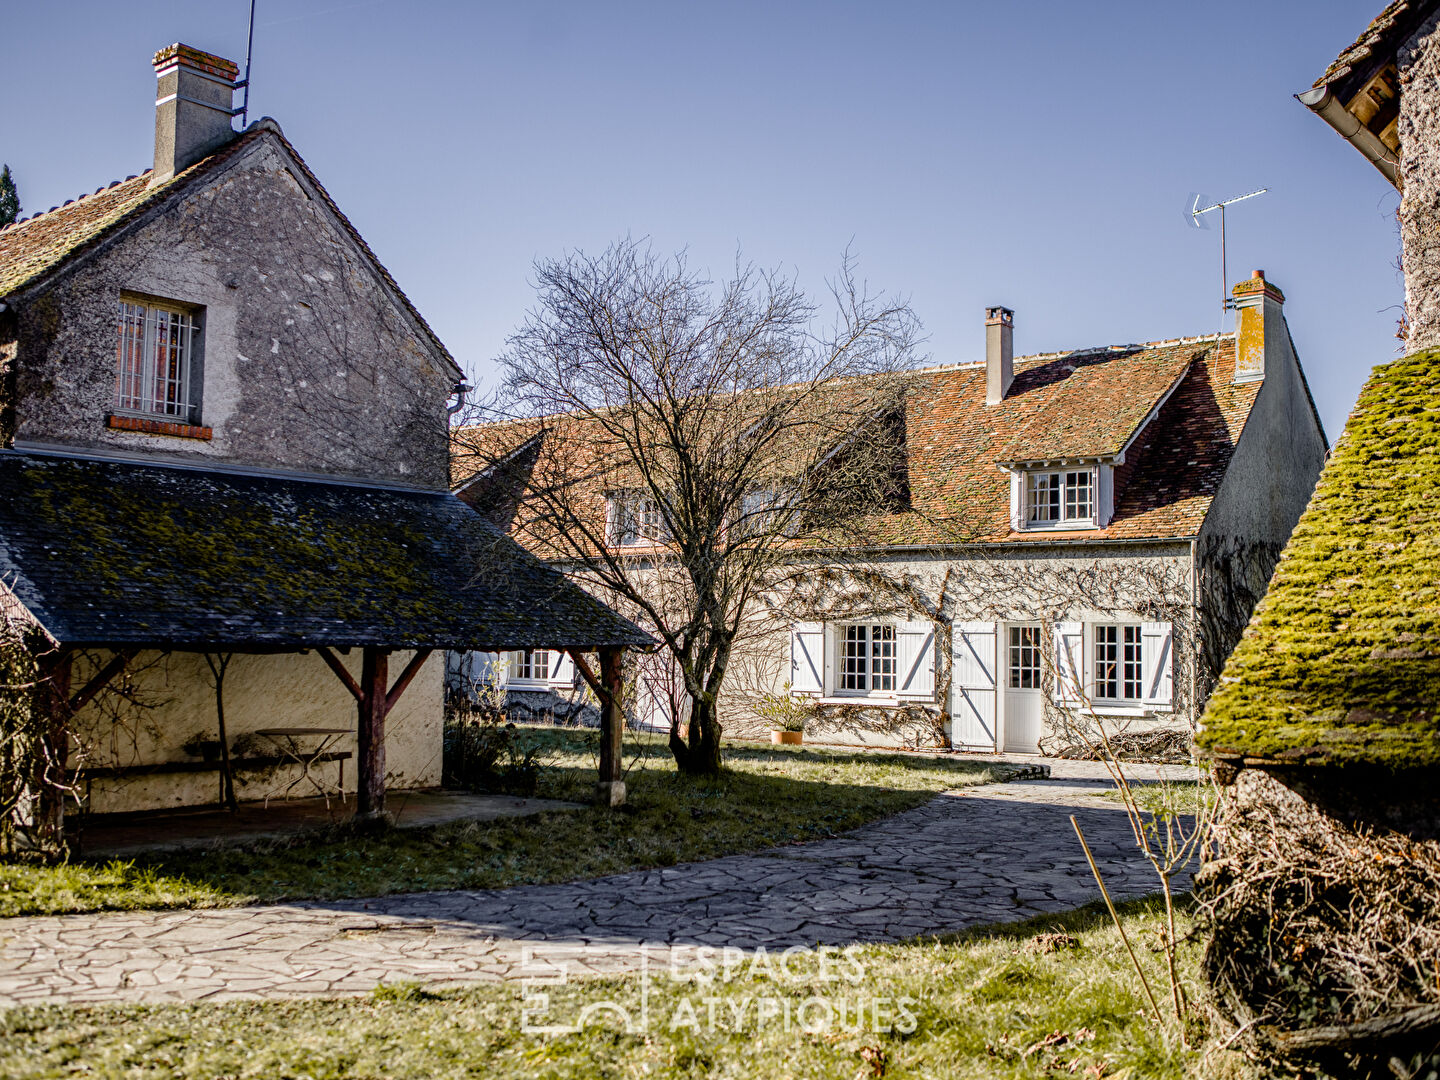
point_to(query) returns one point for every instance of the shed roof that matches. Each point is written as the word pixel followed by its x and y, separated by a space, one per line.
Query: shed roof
pixel 112 553
pixel 1341 661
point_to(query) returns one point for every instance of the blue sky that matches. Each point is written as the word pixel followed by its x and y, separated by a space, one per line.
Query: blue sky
pixel 1033 154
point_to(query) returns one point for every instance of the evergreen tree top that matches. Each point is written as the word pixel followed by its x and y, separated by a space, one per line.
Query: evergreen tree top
pixel 9 198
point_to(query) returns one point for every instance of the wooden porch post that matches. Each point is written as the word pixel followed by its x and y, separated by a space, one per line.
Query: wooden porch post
pixel 610 791
pixel 370 734
pixel 50 779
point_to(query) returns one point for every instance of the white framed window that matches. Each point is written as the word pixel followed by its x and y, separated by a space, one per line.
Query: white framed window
pixel 868 658
pixel 530 665
pixel 154 357
pixel 1119 662
pixel 760 512
pixel 636 518
pixel 1060 497
pixel 1024 658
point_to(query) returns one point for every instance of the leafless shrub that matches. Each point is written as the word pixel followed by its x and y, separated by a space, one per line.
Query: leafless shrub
pixel 1314 921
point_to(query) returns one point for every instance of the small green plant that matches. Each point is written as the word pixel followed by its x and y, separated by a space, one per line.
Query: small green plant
pixel 482 750
pixel 785 712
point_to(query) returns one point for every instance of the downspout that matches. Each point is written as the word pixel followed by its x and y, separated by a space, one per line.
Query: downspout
pixel 1327 106
pixel 461 389
pixel 1195 644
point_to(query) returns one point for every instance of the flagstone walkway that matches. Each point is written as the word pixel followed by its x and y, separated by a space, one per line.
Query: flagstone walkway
pixel 995 853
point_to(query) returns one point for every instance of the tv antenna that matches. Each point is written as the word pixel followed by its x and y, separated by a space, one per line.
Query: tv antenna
pixel 1197 213
pixel 249 48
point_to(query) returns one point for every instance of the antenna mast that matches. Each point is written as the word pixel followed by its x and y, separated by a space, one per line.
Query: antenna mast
pixel 1195 211
pixel 249 48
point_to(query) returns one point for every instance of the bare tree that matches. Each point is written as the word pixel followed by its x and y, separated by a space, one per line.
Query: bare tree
pixel 684 441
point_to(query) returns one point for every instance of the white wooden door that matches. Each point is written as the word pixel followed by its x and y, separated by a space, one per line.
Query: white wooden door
pixel 1024 698
pixel 972 694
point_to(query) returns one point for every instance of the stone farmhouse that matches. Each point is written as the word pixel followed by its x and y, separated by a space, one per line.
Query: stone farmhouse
pixel 1122 510
pixel 1325 724
pixel 223 430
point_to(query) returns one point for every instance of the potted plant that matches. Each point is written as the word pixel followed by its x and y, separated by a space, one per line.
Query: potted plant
pixel 786 716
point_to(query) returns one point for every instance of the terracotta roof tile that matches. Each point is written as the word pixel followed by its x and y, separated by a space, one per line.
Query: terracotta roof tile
pixel 1382 38
pixel 1074 405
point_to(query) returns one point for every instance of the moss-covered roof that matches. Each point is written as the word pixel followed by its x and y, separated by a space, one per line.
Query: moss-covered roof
pixel 109 553
pixel 1341 662
pixel 1377 45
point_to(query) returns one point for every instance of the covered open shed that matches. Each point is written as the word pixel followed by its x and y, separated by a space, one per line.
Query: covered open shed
pixel 113 560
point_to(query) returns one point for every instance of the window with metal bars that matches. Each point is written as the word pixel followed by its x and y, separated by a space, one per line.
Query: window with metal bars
pixel 867 658
pixel 1024 657
pixel 1119 671
pixel 154 358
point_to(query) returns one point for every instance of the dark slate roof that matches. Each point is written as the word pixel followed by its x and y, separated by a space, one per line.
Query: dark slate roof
pixel 1376 46
pixel 112 553
pixel 34 247
pixel 1341 661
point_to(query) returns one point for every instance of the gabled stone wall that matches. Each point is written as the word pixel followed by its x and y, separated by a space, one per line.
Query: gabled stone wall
pixel 307 363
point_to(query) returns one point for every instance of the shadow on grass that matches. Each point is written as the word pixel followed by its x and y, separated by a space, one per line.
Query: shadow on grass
pixel 762 799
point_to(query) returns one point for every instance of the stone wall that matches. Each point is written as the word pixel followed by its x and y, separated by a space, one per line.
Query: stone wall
pixel 1419 127
pixel 305 362
pixel 1001 584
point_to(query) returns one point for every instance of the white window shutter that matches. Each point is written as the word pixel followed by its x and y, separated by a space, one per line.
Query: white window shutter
pixel 1105 494
pixel 1017 500
pixel 915 651
pixel 1069 662
pixel 973 687
pixel 1158 661
pixel 562 668
pixel 807 658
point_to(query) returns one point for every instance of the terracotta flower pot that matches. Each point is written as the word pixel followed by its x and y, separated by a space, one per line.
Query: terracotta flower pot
pixel 789 738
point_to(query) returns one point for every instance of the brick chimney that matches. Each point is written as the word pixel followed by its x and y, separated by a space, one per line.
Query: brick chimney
pixel 193 107
pixel 1259 325
pixel 999 353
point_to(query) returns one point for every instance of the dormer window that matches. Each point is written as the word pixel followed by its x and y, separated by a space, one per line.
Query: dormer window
pixel 156 360
pixel 1060 498
pixel 635 518
pixel 1046 497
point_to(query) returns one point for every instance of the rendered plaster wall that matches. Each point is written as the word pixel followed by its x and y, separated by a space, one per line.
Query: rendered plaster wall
pixel 1419 128
pixel 177 705
pixel 1279 454
pixel 1000 584
pixel 1276 463
pixel 305 364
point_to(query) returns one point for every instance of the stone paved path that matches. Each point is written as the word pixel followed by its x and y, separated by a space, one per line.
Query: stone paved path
pixel 988 854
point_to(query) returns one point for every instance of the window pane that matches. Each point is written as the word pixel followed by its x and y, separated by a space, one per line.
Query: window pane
pixel 882 658
pixel 1043 496
pixel 1079 496
pixel 153 364
pixel 1024 657
pixel 1133 676
pixel 130 362
pixel 854 653
pixel 1107 683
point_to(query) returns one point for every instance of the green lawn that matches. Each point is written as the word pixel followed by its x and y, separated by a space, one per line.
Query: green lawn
pixel 1054 996
pixel 766 796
